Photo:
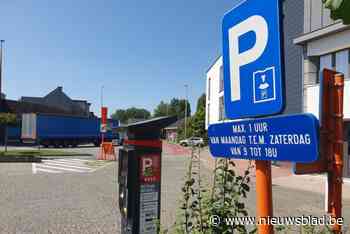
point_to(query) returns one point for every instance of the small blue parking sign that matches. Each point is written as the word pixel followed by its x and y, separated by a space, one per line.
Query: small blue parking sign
pixel 253 59
pixel 293 138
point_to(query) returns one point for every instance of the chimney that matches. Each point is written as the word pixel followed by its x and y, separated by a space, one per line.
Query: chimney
pixel 60 88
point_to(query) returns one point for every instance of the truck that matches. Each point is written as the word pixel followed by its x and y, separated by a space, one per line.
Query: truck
pixel 14 133
pixel 10 133
pixel 65 131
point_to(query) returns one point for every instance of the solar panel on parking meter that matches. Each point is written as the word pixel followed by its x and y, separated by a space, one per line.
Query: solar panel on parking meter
pixel 253 59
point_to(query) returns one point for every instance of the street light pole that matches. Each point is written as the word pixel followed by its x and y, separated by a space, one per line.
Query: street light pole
pixel 186 100
pixel 1 69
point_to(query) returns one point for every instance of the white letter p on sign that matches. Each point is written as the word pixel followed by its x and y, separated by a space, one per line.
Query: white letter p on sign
pixel 258 25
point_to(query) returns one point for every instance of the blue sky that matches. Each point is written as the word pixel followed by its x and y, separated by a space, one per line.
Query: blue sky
pixel 141 51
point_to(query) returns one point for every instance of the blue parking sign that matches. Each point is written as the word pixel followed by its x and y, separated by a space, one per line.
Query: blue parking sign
pixel 253 59
pixel 293 138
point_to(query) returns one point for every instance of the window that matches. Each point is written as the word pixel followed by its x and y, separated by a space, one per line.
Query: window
pixel 342 62
pixel 326 61
pixel 208 114
pixel 314 73
pixel 221 88
pixel 221 109
pixel 209 84
pixel 334 61
pixel 348 64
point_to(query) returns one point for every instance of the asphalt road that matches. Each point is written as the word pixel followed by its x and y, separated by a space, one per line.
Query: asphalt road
pixel 87 202
pixel 73 202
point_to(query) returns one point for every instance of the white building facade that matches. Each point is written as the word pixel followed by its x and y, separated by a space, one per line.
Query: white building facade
pixel 215 110
pixel 326 44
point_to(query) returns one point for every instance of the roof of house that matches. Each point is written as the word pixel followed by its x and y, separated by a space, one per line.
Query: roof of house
pixel 175 125
pixel 20 107
pixel 50 100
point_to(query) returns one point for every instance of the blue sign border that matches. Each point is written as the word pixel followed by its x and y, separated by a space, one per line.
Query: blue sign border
pixel 226 25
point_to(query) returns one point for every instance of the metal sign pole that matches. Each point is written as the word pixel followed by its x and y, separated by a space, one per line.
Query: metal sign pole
pixel 328 122
pixel 264 196
pixel 337 162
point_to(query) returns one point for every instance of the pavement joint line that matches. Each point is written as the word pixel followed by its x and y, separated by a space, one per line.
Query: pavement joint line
pixel 66 165
pixel 60 168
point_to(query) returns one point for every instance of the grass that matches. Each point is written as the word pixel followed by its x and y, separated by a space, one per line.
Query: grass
pixel 47 153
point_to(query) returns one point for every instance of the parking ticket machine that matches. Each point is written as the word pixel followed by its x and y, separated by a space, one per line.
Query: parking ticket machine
pixel 139 176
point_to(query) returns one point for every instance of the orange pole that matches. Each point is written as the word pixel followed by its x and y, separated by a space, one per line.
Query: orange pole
pixel 264 196
pixel 327 130
pixel 331 126
pixel 338 142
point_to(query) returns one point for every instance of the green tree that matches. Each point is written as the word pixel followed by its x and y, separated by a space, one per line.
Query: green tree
pixel 201 102
pixel 162 109
pixel 130 113
pixel 181 130
pixel 178 106
pixel 175 107
pixel 198 120
pixel 339 9
pixel 120 115
pixel 7 119
pixel 195 124
pixel 136 113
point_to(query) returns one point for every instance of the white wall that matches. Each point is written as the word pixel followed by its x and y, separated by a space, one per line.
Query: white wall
pixel 213 74
pixel 312 100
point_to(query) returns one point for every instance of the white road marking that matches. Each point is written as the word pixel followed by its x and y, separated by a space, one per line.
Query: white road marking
pixel 76 159
pixel 66 165
pixel 70 161
pixel 59 168
pixel 34 168
pixel 62 165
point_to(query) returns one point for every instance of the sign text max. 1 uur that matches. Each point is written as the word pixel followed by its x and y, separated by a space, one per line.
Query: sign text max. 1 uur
pixel 285 138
